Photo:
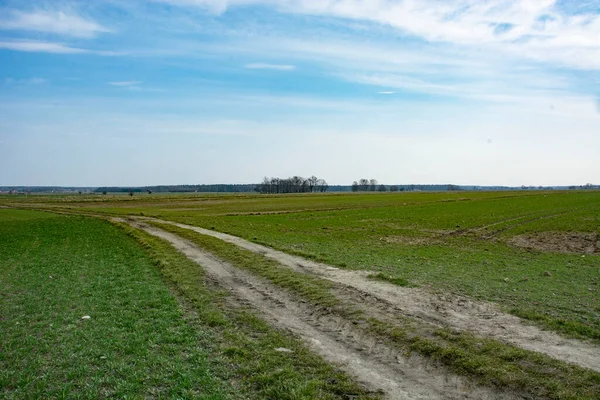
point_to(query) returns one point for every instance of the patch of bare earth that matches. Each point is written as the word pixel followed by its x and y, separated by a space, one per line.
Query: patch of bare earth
pixel 372 362
pixel 559 242
pixel 410 240
pixel 441 309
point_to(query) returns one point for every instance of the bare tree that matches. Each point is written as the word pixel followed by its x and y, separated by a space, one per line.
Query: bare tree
pixel 363 184
pixel 355 186
pixel 372 184
pixel 382 188
pixel 322 185
pixel 393 188
pixel 312 183
pixel 296 182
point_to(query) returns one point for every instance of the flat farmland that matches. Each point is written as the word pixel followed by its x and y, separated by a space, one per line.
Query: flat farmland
pixel 535 253
pixel 89 310
pixel 474 277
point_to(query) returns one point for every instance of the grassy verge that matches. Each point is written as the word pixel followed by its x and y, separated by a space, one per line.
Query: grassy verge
pixel 570 327
pixel 487 361
pixel 396 280
pixel 140 341
pixel 245 343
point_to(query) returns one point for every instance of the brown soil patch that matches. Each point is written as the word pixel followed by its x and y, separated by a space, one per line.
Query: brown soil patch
pixel 410 240
pixel 559 242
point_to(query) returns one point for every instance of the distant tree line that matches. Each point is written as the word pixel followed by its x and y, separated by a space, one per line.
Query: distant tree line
pixel 371 185
pixel 586 186
pixel 294 184
pixel 364 185
pixel 361 185
pixel 217 188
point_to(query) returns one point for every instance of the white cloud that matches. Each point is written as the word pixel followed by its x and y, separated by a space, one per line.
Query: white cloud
pixel 56 22
pixel 387 92
pixel 278 67
pixel 29 81
pixel 42 47
pixel 33 46
pixel 125 83
pixel 534 29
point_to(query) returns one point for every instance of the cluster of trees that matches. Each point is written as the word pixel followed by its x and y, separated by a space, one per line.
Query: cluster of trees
pixel 364 185
pixel 370 185
pixel 586 186
pixel 295 184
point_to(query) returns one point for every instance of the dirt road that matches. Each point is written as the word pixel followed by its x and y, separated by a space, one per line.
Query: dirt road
pixel 372 363
pixel 442 309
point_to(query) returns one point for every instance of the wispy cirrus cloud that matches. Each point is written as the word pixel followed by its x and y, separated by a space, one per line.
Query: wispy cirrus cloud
pixel 29 81
pixel 534 29
pixel 278 67
pixel 55 22
pixel 372 76
pixel 34 46
pixel 41 47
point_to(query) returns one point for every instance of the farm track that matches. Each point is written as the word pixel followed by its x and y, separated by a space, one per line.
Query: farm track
pixel 439 309
pixel 376 365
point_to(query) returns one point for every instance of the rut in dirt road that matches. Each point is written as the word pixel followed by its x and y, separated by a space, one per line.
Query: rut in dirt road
pixel 372 363
pixel 444 310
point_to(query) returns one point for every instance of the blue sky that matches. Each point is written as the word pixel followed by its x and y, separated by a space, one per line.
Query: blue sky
pixel 134 92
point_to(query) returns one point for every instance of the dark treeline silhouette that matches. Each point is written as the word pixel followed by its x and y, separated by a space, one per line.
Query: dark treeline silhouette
pixel 364 185
pixel 248 188
pixel 217 188
pixel 371 185
pixel 295 184
pixel 367 185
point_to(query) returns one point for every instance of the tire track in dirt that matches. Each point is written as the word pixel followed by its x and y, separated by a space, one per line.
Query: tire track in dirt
pixel 441 309
pixel 527 221
pixel 373 363
pixel 481 229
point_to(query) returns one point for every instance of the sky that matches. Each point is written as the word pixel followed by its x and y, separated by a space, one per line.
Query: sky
pixel 148 92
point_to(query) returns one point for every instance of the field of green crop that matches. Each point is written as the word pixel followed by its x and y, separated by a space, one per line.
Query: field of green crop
pixel 91 310
pixel 157 328
pixel 458 242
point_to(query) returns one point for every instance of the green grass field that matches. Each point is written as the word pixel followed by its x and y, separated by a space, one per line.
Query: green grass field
pixel 454 243
pixel 459 242
pixel 505 247
pixel 156 328
pixel 486 361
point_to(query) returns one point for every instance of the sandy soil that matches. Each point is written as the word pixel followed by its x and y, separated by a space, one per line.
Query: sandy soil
pixel 373 363
pixel 442 309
